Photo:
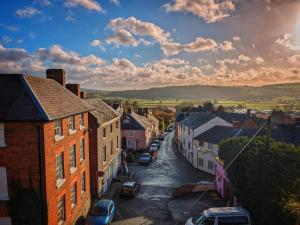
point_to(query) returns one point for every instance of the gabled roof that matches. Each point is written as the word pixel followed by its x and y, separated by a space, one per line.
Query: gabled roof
pixel 28 98
pixel 133 121
pixel 197 119
pixel 103 112
pixel 218 133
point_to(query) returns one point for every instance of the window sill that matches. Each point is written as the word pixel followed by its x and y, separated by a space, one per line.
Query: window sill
pixel 82 161
pixel 62 222
pixel 72 132
pixel 60 182
pixel 81 127
pixel 59 137
pixel 72 170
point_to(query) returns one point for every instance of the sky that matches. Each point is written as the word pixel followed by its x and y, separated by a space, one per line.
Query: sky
pixel 138 44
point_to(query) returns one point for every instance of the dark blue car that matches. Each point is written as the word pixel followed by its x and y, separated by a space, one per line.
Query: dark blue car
pixel 102 213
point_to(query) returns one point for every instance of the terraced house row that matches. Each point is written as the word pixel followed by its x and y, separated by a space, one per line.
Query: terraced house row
pixel 46 130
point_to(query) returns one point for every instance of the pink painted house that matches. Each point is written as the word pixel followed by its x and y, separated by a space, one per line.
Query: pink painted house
pixel 222 184
pixel 136 131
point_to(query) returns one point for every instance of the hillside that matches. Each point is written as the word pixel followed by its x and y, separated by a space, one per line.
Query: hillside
pixel 195 92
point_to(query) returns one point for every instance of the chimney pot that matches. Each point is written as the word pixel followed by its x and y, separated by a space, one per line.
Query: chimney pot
pixel 82 94
pixel 59 75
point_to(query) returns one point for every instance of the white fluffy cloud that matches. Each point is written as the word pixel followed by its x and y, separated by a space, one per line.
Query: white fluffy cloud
pixel 27 12
pixel 288 41
pixel 209 10
pixel 226 46
pixel 295 60
pixel 139 27
pixel 88 4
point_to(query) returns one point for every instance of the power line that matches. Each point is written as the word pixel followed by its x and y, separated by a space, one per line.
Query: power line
pixel 229 164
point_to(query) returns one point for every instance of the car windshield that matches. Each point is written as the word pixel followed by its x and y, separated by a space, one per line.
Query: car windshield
pixel 199 219
pixel 99 211
pixel 127 188
pixel 145 156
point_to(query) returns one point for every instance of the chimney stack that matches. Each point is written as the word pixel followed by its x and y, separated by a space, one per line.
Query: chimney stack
pixel 75 88
pixel 83 94
pixel 59 75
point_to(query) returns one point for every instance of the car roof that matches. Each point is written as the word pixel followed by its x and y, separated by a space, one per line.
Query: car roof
pixel 154 144
pixel 146 154
pixel 226 211
pixel 103 203
pixel 129 183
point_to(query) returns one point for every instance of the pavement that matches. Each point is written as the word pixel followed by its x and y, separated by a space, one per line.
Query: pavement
pixel 154 203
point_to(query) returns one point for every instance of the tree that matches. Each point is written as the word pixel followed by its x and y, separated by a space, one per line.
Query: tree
pixel 162 125
pixel 208 106
pixel 266 179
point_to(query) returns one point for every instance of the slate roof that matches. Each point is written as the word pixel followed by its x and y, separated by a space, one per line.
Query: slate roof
pixel 103 112
pixel 197 119
pixel 135 122
pixel 284 133
pixel 230 117
pixel 217 133
pixel 28 98
pixel 180 116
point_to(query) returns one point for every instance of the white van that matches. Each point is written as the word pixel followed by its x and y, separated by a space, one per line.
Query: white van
pixel 221 216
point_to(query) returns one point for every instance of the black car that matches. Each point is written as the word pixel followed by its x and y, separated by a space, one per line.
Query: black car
pixel 129 189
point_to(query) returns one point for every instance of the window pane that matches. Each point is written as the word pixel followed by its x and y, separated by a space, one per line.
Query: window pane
pixel 72 156
pixel 83 182
pixel 82 150
pixel 61 209
pixel 233 220
pixel 74 195
pixel 59 167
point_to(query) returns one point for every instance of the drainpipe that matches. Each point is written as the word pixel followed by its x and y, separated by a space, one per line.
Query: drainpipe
pixel 41 174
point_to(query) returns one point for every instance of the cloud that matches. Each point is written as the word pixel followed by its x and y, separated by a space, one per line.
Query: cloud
pixel 88 4
pixel 199 45
pixel 6 39
pixel 288 41
pixel 259 60
pixel 210 10
pixel 244 58
pixel 10 28
pixel 27 12
pixel 32 35
pixel 115 2
pixel 122 37
pixel 71 16
pixel 236 38
pixel 139 27
pixel 295 59
pixel 12 54
pixel 226 46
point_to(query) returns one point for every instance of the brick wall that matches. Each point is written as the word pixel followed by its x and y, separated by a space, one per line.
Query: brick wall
pixel 96 147
pixel 20 156
pixel 54 193
pixel 93 154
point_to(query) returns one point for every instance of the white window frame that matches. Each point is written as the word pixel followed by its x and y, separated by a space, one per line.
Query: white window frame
pixel 83 183
pixel 71 124
pixel 58 133
pixel 210 162
pixel 3 184
pixel 81 120
pixel 82 149
pixel 61 210
pixel 2 135
pixel 72 158
pixel 74 195
pixel 60 176
pixel 131 133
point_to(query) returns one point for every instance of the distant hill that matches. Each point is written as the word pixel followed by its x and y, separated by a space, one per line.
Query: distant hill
pixel 195 92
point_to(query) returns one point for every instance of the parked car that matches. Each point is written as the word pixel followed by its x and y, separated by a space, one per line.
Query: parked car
pixel 129 189
pixel 153 147
pixel 222 215
pixel 145 158
pixel 161 137
pixel 156 141
pixel 102 213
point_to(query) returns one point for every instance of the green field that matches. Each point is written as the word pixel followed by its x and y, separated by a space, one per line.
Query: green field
pixel 258 105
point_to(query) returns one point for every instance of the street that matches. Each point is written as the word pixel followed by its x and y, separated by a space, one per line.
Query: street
pixel 154 204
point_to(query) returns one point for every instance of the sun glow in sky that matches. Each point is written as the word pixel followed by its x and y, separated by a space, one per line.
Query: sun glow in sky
pixel 134 44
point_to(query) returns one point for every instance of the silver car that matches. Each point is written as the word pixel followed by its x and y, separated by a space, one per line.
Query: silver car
pixel 221 216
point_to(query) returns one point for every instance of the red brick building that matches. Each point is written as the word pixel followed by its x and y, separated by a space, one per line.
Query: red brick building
pixel 43 150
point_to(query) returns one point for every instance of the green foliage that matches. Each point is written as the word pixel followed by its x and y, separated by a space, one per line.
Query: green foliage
pixel 162 125
pixel 266 180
